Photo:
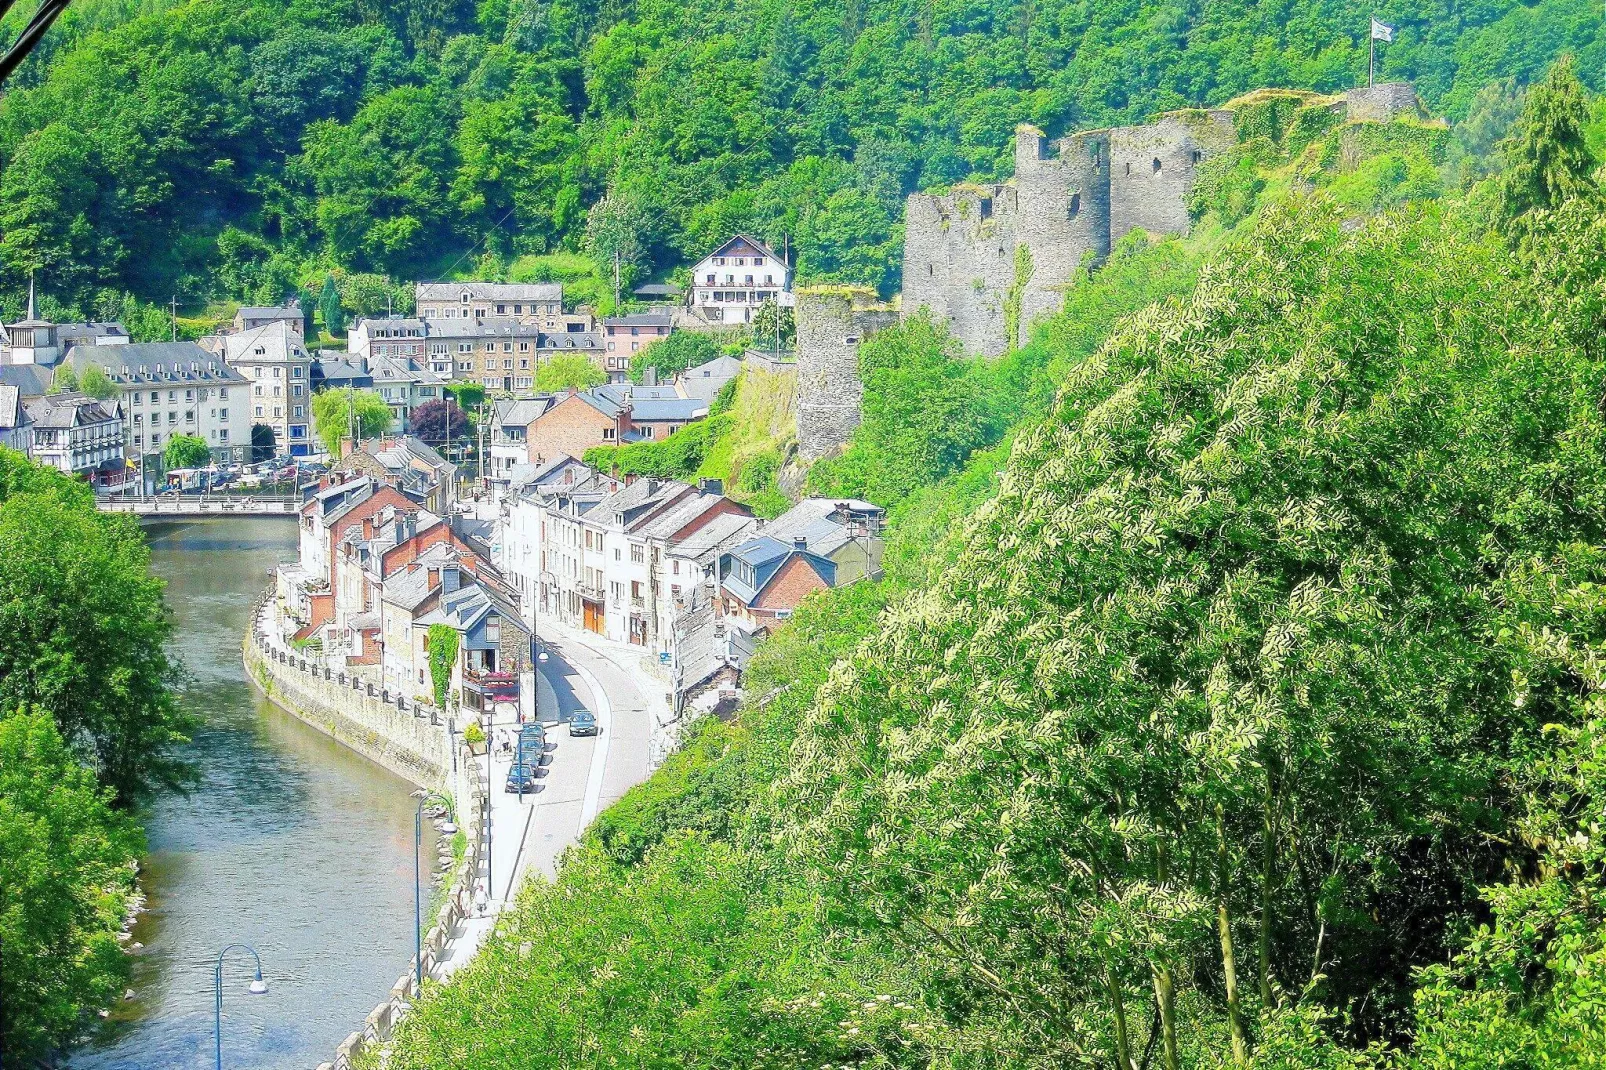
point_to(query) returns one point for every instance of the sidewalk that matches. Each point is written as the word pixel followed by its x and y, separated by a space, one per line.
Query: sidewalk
pixel 636 670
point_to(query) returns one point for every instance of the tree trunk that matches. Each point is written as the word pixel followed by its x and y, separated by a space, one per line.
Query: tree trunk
pixel 1123 1045
pixel 1268 864
pixel 1165 1000
pixel 1235 1017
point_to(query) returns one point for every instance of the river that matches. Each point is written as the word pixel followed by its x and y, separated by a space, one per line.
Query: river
pixel 291 843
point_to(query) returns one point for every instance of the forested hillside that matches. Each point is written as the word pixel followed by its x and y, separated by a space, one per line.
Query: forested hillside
pixel 1240 707
pixel 242 149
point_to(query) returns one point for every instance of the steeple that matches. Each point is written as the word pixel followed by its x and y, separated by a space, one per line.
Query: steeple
pixel 32 315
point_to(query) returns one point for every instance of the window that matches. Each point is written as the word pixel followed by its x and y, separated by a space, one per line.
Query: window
pixel 607 434
pixel 296 390
pixel 493 629
pixel 646 431
pixel 296 373
pixel 1075 206
pixel 501 310
pixel 1197 156
pixel 259 410
pixel 1156 165
pixel 299 412
pixel 986 205
pixel 1128 170
pixel 636 553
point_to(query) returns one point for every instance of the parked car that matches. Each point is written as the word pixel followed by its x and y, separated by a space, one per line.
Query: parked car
pixel 583 723
pixel 521 778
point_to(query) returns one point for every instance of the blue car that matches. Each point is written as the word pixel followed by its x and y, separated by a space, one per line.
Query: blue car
pixel 583 723
pixel 521 778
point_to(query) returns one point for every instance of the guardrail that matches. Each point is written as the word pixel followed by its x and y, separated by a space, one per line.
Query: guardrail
pixel 200 506
pixel 380 1025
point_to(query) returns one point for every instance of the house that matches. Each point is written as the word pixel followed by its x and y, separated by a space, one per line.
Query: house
pixel 16 427
pixel 539 303
pixel 37 341
pixel 174 388
pixel 845 530
pixel 406 463
pixel 649 564
pixel 659 293
pixel 763 580
pixel 405 383
pixel 687 572
pixel 706 380
pixel 391 336
pixel 625 336
pixel 251 317
pixel 730 284
pixel 511 422
pixel 279 368
pixel 79 436
pixel 305 589
pixel 577 421
pixel 503 353
pixel 655 419
pixel 331 371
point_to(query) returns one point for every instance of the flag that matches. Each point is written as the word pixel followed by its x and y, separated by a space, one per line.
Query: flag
pixel 1381 32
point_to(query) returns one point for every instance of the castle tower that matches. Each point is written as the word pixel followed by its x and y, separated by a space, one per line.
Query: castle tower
pixel 1063 219
pixel 832 322
pixel 1152 169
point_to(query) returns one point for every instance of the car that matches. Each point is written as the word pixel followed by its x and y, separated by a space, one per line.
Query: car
pixel 521 778
pixel 583 723
pixel 532 735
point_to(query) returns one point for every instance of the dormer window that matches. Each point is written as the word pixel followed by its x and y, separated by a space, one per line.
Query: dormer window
pixel 260 350
pixel 467 297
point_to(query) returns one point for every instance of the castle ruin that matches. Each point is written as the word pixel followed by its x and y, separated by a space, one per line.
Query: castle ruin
pixel 990 260
pixel 832 321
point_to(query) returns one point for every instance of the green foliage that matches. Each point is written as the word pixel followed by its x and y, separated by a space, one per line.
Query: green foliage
pixel 337 413
pixel 334 316
pixel 187 451
pixel 264 442
pixel 1474 151
pixel 97 384
pixel 569 371
pixel 1548 159
pixel 1228 185
pixel 678 456
pixel 470 396
pixel 774 328
pixel 441 643
pixel 65 878
pixel 674 354
pixel 925 410
pixel 64 381
pixel 83 631
pixel 473 733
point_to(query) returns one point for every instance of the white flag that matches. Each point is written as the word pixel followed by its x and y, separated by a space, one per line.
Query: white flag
pixel 1381 32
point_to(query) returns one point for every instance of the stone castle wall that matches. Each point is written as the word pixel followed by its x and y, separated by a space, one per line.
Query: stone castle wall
pixel 832 322
pixel 989 260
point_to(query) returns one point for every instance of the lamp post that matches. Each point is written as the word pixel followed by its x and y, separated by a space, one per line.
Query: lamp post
pixel 424 798
pixel 257 987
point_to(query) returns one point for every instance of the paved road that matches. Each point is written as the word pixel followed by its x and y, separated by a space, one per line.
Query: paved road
pixel 581 775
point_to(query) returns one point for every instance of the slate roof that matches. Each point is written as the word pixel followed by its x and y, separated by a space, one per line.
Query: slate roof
pixel 148 363
pixel 268 312
pixel 656 410
pixel 767 555
pixel 337 371
pixel 389 369
pixel 31 380
pixel 719 533
pixel 452 292
pixel 657 289
pixel 811 519
pixel 279 342
pixel 520 412
pixel 639 319
pixel 639 495
pixel 754 242
pixel 12 412
pixel 66 411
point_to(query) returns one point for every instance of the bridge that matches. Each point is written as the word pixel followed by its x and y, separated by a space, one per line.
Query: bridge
pixel 196 505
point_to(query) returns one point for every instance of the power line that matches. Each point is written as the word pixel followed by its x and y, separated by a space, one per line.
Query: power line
pixel 49 11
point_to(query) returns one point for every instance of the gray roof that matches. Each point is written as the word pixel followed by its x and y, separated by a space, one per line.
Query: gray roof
pixel 520 412
pixel 388 369
pixel 279 344
pixel 451 292
pixel 718 534
pixel 766 555
pixel 268 312
pixel 12 412
pixel 652 410
pixel 812 519
pixel 677 516
pixel 707 379
pixel 638 497
pixel 31 380
pixel 658 289
pixel 337 370
pixel 65 411
pixel 89 331
pixel 639 319
pixel 141 364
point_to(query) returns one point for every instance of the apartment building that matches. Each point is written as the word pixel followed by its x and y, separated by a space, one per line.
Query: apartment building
pixel 279 368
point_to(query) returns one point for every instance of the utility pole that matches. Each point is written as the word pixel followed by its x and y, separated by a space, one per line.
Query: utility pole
pixel 174 307
pixel 616 281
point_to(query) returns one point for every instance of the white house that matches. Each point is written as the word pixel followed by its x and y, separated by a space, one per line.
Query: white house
pixel 730 284
pixel 273 357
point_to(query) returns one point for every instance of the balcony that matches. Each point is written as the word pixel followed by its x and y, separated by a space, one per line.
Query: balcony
pixel 589 592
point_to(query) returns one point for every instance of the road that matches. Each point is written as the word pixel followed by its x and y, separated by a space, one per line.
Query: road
pixel 580 775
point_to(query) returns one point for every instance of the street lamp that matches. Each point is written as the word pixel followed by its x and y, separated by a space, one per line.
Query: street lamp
pixel 257 987
pixel 423 797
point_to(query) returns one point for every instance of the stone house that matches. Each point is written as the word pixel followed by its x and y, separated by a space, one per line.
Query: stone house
pixel 252 317
pixel 405 462
pixel 174 388
pixel 511 423
pixel 655 419
pixel 577 421
pixel 539 303
pixel 279 368
pixel 390 336
pixel 405 383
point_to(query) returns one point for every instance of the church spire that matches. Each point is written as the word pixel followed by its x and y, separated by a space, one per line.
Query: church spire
pixel 32 315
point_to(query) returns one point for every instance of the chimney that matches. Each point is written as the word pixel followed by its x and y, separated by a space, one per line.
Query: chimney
pixel 711 486
pixel 346 446
pixel 367 527
pixel 800 543
pixel 613 485
pixel 651 378
pixel 450 578
pixel 652 486
pixel 630 477
pixel 434 577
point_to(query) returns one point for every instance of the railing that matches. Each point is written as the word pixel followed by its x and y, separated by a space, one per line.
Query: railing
pixel 182 505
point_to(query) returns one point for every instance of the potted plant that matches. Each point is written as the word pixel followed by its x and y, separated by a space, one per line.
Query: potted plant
pixel 474 736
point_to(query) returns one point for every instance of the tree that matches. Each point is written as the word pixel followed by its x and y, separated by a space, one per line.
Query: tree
pixel 774 327
pixel 264 442
pixel 334 318
pixel 337 413
pixel 65 878
pixel 569 371
pixel 438 422
pixel 619 231
pixel 672 355
pixel 97 384
pixel 1548 160
pixel 470 395
pixel 83 631
pixel 309 306
pixel 187 451
pixel 64 381
pixel 441 642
